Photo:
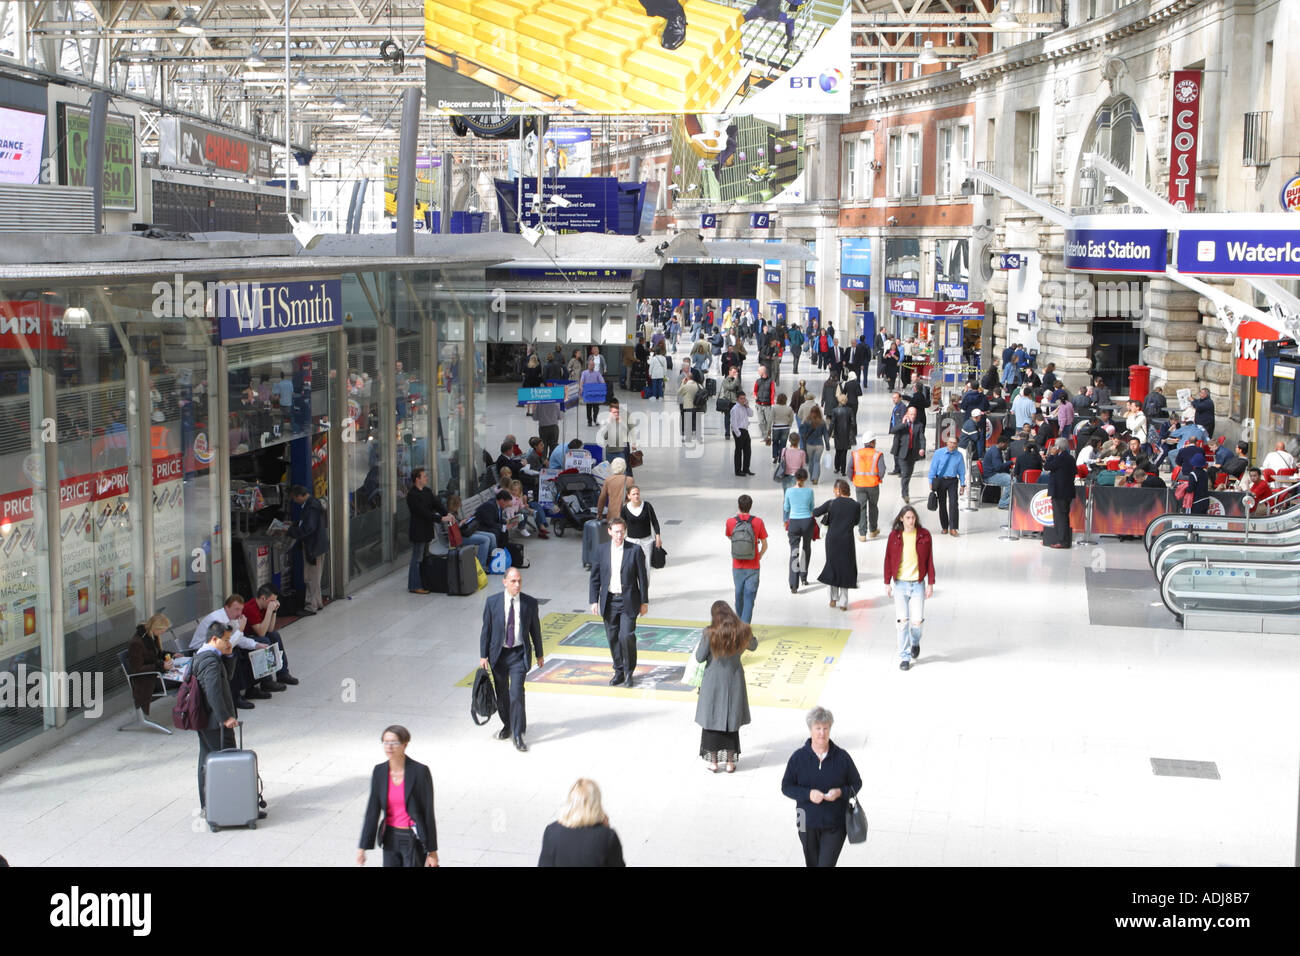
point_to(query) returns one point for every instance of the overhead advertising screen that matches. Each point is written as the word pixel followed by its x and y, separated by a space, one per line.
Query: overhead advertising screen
pixel 566 151
pixel 637 56
pixel 724 158
pixel 119 154
pixel 22 137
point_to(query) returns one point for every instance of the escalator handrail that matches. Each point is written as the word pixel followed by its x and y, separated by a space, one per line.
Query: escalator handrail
pixel 1242 565
pixel 1217 522
pixel 1215 536
pixel 1229 552
pixel 1270 502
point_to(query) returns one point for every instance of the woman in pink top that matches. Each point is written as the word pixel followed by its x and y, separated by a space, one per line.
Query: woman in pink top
pixel 793 458
pixel 401 792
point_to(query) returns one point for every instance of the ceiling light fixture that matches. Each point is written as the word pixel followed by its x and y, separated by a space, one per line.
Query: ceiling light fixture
pixel 339 103
pixel 255 59
pixel 189 24
pixel 365 117
pixel 1005 20
pixel 301 84
pixel 928 56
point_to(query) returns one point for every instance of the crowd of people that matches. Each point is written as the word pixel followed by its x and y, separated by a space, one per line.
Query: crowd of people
pixel 1046 434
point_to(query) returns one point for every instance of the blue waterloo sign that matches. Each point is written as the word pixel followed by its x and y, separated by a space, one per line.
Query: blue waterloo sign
pixel 855 256
pixel 760 220
pixel 897 286
pixel 1010 261
pixel 709 220
pixel 810 279
pixel 1244 252
pixel 855 283
pixel 1116 250
pixel 249 309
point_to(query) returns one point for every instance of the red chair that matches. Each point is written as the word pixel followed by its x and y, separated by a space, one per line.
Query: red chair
pixel 1082 471
pixel 1286 472
pixel 1074 443
pixel 1268 474
pixel 1113 465
pixel 1031 476
pixel 1221 479
pixel 1173 477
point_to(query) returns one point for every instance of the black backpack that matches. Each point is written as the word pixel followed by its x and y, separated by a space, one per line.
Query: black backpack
pixel 483 698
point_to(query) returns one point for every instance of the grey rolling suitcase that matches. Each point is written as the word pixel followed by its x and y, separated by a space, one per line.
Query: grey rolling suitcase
pixel 462 570
pixel 593 536
pixel 233 787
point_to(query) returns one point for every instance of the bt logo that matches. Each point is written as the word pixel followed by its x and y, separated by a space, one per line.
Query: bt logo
pixel 828 82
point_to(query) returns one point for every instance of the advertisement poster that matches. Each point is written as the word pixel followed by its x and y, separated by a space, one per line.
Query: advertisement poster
pixel 566 151
pixel 119 154
pixel 22 139
pixel 168 524
pixel 725 158
pixel 789 668
pixel 637 56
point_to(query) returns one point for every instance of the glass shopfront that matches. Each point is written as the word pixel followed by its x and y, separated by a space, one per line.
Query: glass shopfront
pixel 171 450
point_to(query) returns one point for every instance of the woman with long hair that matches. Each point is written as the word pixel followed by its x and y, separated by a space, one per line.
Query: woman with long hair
pixel 581 836
pixel 814 435
pixel 909 580
pixel 798 514
pixel 723 707
pixel 145 655
pixel 841 572
pixel 533 372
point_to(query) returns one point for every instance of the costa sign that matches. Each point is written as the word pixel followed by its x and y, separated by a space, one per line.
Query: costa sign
pixel 1184 133
pixel 937 308
pixel 188 145
pixel 1245 347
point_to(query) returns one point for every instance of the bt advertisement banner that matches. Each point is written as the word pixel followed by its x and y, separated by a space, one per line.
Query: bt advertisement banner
pixel 1243 252
pixel 637 57
pixel 1116 250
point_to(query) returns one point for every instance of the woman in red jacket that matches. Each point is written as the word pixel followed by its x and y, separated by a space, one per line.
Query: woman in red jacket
pixel 909 579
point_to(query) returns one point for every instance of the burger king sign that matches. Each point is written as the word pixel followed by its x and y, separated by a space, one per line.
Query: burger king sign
pixel 1040 508
pixel 1291 194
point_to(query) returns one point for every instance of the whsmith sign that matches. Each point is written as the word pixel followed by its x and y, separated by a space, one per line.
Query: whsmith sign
pixel 249 309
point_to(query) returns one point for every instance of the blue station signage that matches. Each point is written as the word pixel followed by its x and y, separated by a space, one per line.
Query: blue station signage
pixel 249 309
pixel 1116 250
pixel 1239 252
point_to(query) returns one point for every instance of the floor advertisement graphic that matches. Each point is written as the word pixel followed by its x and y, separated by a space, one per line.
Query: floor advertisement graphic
pixel 789 669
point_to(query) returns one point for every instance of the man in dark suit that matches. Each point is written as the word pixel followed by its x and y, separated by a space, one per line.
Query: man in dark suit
pixel 1061 490
pixel 510 621
pixel 490 517
pixel 620 592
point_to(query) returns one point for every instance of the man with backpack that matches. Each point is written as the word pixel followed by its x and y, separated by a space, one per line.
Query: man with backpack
pixel 795 337
pixel 748 545
pixel 205 704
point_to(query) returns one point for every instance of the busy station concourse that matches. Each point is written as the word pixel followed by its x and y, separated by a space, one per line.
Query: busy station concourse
pixel 690 390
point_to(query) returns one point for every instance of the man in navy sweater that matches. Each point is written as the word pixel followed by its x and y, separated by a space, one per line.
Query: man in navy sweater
pixel 820 778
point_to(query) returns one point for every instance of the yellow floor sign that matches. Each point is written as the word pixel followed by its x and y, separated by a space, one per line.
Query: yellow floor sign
pixel 789 669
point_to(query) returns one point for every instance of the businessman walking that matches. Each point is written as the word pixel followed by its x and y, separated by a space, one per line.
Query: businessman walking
pixel 510 622
pixel 619 593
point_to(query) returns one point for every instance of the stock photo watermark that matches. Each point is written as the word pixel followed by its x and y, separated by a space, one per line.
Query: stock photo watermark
pixel 38 689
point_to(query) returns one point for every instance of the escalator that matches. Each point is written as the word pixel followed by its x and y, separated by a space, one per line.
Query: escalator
pixel 1284 515
pixel 1234 574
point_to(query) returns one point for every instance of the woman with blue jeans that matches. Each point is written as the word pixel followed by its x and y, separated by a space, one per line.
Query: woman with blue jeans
pixel 909 579
pixel 798 514
pixel 814 436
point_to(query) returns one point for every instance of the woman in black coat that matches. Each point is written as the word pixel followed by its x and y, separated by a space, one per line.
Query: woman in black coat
pixel 407 833
pixel 844 429
pixel 841 571
pixel 582 835
pixel 889 366
pixel 146 657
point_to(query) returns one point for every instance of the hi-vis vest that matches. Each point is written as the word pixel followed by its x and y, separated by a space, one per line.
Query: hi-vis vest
pixel 865 461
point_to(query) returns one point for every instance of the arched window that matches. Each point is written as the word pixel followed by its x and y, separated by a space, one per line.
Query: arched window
pixel 1117 133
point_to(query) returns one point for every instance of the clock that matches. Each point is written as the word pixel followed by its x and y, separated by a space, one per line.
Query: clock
pixel 491 126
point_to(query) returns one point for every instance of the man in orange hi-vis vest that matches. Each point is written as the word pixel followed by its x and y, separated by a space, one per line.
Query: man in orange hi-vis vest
pixel 867 470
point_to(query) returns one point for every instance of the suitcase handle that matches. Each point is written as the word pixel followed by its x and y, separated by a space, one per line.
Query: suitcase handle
pixel 240 725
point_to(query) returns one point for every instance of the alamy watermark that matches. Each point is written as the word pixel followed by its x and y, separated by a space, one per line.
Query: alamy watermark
pixel 1075 298
pixel 39 689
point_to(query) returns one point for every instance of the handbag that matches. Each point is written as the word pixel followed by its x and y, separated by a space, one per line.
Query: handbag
pixel 778 470
pixel 454 538
pixel 636 459
pixel 932 503
pixel 817 532
pixel 658 556
pixel 722 405
pixel 693 673
pixel 855 819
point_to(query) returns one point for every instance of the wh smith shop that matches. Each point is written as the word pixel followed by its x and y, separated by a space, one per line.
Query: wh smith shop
pixel 154 414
